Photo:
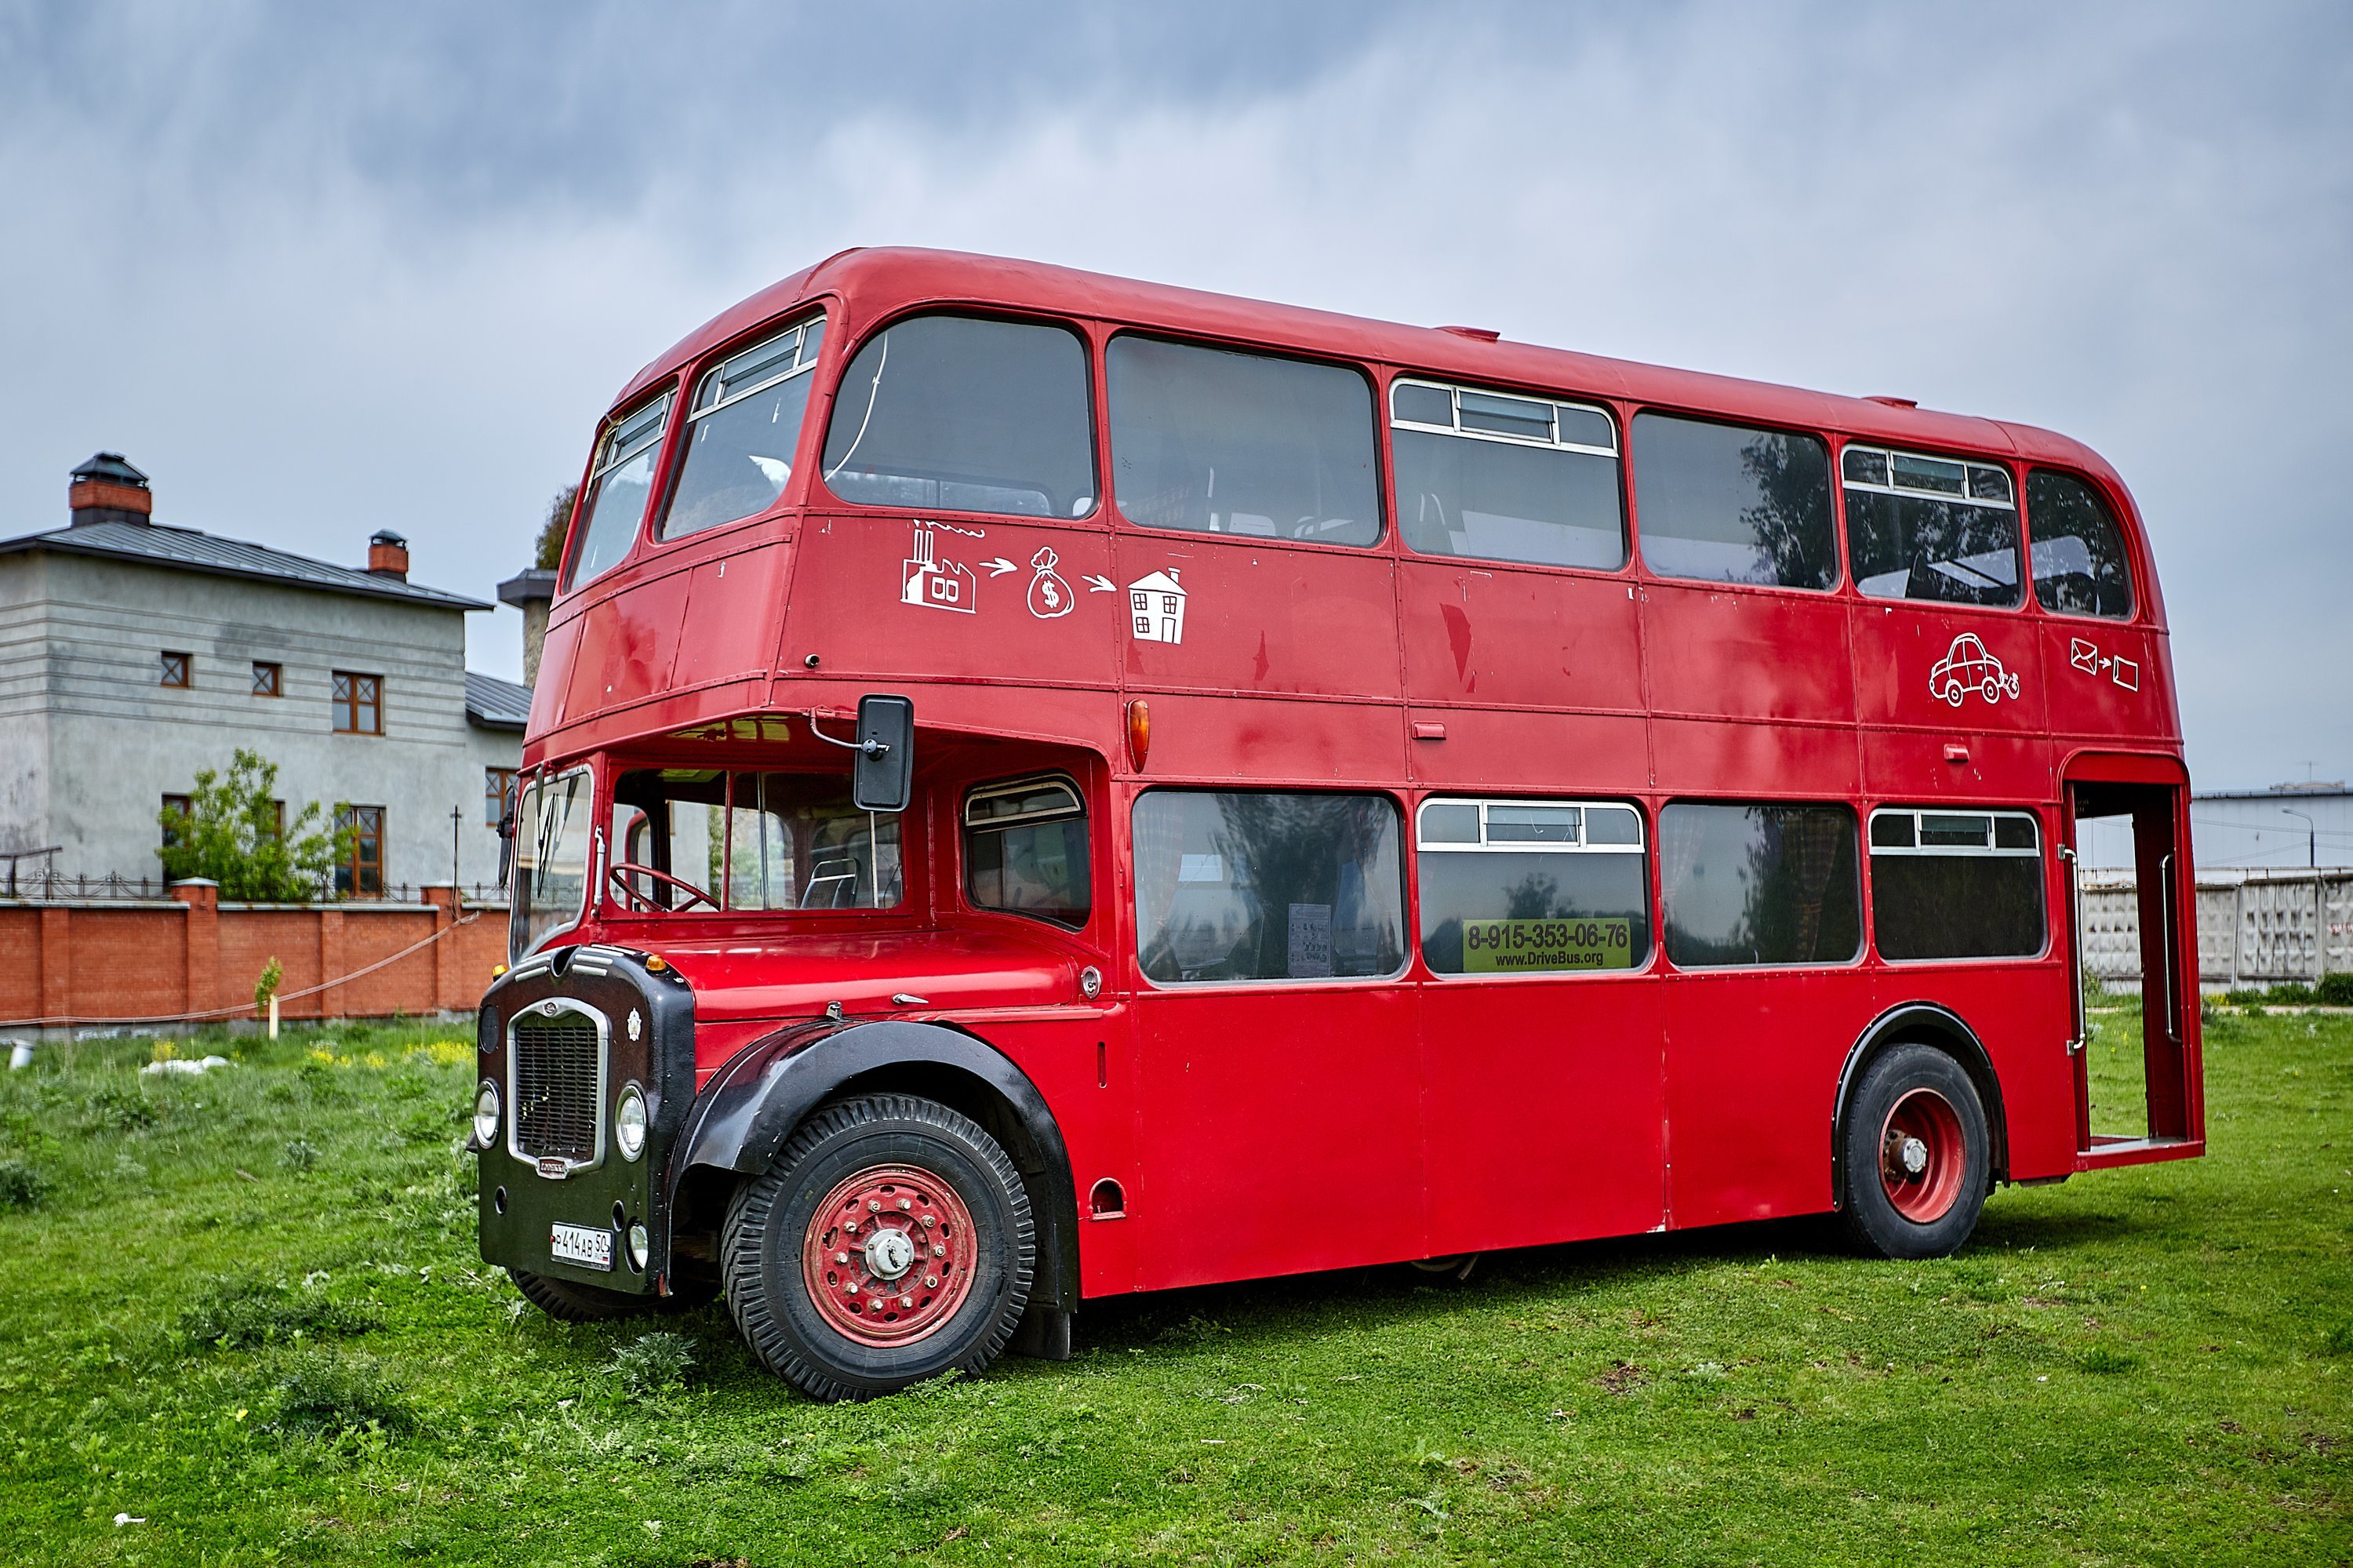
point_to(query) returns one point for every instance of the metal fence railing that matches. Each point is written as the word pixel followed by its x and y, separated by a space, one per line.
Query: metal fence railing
pixel 2254 928
pixel 45 885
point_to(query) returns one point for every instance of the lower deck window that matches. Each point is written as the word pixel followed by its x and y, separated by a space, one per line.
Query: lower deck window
pixel 1024 850
pixel 1532 887
pixel 1760 884
pixel 1268 885
pixel 1956 884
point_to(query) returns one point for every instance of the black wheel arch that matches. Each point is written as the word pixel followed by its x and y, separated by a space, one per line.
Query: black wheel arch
pixel 1927 1023
pixel 744 1118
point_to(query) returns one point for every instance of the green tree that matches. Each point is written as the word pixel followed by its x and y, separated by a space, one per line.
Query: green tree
pixel 548 553
pixel 234 832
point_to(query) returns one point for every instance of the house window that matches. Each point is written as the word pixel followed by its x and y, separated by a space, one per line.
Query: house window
pixel 175 670
pixel 359 704
pixel 269 680
pixel 360 874
pixel 276 828
pixel 175 811
pixel 498 783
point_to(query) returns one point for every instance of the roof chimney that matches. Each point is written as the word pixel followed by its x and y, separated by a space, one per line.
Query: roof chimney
pixel 388 555
pixel 108 490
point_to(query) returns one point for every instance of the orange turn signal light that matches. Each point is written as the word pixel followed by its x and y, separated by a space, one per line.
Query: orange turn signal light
pixel 1139 732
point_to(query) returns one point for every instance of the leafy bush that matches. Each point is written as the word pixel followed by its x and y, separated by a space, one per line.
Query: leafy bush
pixel 318 1392
pixel 235 1314
pixel 234 832
pixel 22 1185
pixel 121 1108
pixel 652 1363
pixel 2339 1340
pixel 2294 992
pixel 2334 990
pixel 299 1154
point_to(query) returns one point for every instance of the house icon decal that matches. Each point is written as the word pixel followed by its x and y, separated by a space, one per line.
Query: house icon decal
pixel 1155 608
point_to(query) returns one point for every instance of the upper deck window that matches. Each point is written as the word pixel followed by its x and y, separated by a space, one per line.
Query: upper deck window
pixel 1930 528
pixel 618 492
pixel 1218 442
pixel 2079 554
pixel 1024 850
pixel 1504 477
pixel 966 414
pixel 742 430
pixel 1731 503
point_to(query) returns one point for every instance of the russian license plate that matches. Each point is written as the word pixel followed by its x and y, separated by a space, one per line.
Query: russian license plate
pixel 590 1248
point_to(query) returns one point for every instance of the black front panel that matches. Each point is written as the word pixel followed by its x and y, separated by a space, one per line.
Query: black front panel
pixel 563 1035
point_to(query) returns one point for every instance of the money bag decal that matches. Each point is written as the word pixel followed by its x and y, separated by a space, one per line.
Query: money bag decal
pixel 1049 596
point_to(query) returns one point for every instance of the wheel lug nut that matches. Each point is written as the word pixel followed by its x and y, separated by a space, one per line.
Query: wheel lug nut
pixel 938 1251
pixel 875 1204
pixel 931 1282
pixel 929 1222
pixel 906 1301
pixel 841 1257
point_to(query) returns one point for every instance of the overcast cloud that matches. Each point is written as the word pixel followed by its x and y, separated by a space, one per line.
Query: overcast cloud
pixel 320 272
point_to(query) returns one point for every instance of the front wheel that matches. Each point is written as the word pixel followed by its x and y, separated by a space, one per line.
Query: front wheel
pixel 890 1242
pixel 1916 1155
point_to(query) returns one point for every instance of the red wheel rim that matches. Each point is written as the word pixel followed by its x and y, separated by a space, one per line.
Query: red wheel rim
pixel 1923 1157
pixel 889 1256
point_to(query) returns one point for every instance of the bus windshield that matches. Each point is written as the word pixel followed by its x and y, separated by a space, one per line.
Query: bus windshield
pixel 707 839
pixel 551 865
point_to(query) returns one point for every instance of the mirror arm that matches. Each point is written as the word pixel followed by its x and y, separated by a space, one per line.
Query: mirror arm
pixel 863 747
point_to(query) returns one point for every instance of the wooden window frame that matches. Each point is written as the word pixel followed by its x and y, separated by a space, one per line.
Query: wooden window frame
pixel 353 872
pixel 274 685
pixel 176 669
pixel 349 703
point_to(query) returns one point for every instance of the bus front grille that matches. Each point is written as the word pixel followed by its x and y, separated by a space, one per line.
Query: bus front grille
pixel 557 1075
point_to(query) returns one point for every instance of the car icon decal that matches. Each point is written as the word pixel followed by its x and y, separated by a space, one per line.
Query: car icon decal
pixel 1966 667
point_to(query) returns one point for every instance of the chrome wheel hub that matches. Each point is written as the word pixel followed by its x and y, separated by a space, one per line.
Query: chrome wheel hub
pixel 889 1253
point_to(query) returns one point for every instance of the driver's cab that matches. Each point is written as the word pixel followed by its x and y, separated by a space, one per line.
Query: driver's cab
pixel 743 840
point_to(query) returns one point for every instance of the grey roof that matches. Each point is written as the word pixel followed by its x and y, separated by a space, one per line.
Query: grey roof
pixel 496 705
pixel 109 465
pixel 191 551
pixel 533 583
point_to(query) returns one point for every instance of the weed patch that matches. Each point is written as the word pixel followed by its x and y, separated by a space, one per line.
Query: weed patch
pixel 323 1394
pixel 236 1314
pixel 21 1184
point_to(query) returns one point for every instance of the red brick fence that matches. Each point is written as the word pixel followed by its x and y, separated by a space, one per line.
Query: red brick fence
pixel 69 964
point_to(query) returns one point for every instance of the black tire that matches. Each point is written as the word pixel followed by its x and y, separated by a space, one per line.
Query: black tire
pixel 570 1303
pixel 768 1221
pixel 1873 1219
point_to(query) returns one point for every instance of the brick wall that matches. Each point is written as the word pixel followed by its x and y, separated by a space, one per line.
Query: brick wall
pixel 82 964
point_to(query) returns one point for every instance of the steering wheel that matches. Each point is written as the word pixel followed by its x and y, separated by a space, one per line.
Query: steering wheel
pixel 637 901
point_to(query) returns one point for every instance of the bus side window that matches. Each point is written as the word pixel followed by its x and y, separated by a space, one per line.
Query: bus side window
pixel 1214 442
pixel 967 415
pixel 1532 887
pixel 1763 884
pixel 1956 884
pixel 1502 478
pixel 1930 528
pixel 2079 556
pixel 1728 504
pixel 1268 886
pixel 1024 850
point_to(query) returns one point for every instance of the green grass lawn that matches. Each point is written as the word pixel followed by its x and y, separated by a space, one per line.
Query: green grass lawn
pixel 246 1310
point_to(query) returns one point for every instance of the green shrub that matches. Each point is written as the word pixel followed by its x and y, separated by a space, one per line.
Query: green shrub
pixel 22 1185
pixel 2334 990
pixel 234 1314
pixel 299 1154
pixel 652 1363
pixel 2105 1362
pixel 317 1392
pixel 121 1108
pixel 2339 1340
pixel 2294 993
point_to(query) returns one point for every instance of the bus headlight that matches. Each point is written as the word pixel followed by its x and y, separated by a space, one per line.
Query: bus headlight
pixel 629 1122
pixel 486 1114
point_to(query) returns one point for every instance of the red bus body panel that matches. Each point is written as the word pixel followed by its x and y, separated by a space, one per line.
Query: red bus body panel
pixel 1270 1129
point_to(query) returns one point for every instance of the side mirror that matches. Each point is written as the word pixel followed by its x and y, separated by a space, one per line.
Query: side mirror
pixel 884 777
pixel 507 805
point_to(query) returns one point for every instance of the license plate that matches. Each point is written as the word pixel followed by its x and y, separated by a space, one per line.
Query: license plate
pixel 590 1248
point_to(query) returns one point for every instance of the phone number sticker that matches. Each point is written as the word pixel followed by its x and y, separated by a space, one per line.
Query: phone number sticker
pixel 1510 947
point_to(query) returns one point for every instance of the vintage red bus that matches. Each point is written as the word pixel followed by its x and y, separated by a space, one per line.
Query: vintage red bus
pixel 1370 793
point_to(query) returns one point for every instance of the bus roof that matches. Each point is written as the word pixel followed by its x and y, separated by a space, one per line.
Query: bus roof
pixel 871 284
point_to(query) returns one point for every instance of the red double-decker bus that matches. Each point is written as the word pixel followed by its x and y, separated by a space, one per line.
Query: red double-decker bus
pixel 1042 786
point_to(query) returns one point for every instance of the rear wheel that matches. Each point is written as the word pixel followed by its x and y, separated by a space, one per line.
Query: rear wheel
pixel 1916 1157
pixel 890 1242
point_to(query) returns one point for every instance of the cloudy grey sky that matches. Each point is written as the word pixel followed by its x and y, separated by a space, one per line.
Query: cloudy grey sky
pixel 321 271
